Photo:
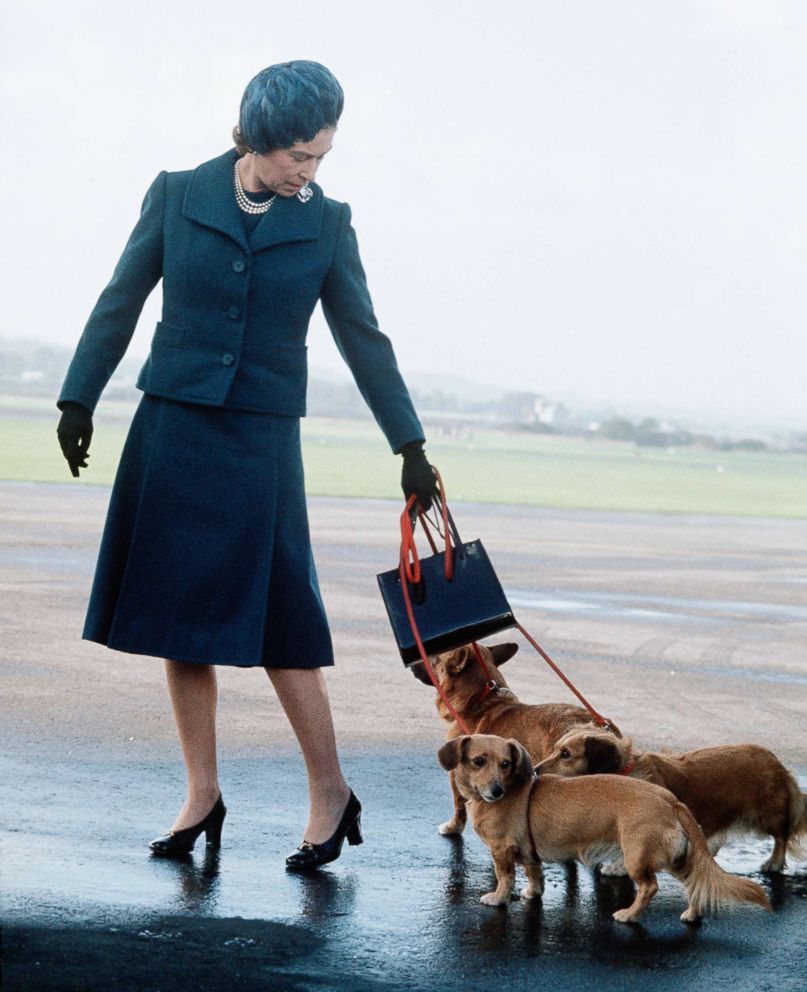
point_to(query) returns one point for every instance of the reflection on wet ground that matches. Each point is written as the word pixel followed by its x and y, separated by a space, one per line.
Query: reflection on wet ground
pixel 401 911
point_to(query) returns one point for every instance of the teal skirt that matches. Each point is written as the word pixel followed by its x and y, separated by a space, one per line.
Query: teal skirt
pixel 206 553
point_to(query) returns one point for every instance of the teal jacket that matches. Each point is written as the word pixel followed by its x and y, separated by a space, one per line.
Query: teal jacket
pixel 236 309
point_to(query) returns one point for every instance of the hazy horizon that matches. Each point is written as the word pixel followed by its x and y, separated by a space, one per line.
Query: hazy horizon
pixel 603 201
pixel 598 408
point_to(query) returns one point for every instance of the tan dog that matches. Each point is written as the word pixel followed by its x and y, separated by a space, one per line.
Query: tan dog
pixel 526 820
pixel 736 788
pixel 489 706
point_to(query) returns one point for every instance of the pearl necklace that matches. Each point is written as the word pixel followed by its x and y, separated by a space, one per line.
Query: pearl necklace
pixel 243 201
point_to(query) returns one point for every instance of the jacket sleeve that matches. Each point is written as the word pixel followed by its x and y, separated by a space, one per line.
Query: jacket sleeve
pixel 114 318
pixel 349 312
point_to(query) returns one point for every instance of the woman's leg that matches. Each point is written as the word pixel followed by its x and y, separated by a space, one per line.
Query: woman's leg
pixel 304 696
pixel 193 694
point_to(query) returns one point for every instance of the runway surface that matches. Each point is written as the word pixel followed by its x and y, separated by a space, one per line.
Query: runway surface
pixel 686 631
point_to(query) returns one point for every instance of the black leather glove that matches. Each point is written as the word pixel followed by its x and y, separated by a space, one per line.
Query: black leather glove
pixel 74 433
pixel 417 476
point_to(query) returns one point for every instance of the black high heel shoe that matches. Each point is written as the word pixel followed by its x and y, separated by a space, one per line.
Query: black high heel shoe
pixel 179 842
pixel 310 855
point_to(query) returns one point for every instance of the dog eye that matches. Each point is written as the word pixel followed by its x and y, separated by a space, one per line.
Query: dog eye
pixel 565 753
pixel 479 762
pixel 506 764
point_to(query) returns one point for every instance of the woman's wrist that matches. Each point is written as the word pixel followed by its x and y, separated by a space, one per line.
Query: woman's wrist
pixel 411 448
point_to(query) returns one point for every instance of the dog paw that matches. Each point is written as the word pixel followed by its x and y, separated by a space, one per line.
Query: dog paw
pixel 491 899
pixel 692 917
pixel 625 916
pixel 450 828
pixel 773 864
pixel 613 869
pixel 531 892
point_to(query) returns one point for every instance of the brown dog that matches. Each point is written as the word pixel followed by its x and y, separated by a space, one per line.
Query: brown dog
pixel 488 706
pixel 735 788
pixel 526 820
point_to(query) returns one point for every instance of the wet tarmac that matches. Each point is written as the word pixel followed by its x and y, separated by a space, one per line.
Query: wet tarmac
pixel 687 631
pixel 87 908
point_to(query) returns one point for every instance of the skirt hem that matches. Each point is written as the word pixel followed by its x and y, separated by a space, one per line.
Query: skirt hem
pixel 151 653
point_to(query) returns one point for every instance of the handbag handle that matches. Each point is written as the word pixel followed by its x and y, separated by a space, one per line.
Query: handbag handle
pixel 409 571
pixel 411 514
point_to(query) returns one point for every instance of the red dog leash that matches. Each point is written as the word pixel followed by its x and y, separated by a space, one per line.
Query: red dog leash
pixel 409 571
pixel 598 718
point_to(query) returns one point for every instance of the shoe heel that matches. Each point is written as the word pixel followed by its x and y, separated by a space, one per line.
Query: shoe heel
pixel 213 837
pixel 213 831
pixel 354 833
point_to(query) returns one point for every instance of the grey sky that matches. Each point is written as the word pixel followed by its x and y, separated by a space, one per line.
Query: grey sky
pixel 589 199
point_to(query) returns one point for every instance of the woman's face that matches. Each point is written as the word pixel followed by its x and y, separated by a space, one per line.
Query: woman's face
pixel 286 170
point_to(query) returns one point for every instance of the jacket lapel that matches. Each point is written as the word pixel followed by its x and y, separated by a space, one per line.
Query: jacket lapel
pixel 210 200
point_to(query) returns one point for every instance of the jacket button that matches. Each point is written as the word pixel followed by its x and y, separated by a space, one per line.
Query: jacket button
pixel 238 265
pixel 233 313
pixel 227 359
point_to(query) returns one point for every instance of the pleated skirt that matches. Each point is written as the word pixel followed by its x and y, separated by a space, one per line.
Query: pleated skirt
pixel 206 554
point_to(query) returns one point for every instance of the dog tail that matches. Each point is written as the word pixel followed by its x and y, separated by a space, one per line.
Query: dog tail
pixel 709 888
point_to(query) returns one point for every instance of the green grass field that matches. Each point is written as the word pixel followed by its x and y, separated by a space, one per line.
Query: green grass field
pixel 352 459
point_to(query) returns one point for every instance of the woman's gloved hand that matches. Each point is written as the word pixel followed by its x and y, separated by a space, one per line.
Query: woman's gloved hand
pixel 417 476
pixel 74 433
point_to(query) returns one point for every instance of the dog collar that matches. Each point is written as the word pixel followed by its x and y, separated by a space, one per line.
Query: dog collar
pixel 628 768
pixel 490 687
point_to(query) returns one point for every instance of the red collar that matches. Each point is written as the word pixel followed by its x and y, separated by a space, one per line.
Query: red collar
pixel 628 768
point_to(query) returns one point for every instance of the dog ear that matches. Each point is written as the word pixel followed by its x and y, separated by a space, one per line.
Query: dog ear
pixel 603 756
pixel 453 752
pixel 459 660
pixel 522 762
pixel 502 652
pixel 420 673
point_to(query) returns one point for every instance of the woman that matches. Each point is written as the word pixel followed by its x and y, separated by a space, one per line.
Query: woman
pixel 205 558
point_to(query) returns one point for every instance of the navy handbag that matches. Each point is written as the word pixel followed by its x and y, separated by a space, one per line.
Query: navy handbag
pixel 454 595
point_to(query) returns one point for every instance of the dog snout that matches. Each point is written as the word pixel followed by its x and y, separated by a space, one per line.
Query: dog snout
pixel 493 792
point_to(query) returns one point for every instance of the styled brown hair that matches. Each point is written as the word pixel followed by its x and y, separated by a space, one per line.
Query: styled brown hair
pixel 241 145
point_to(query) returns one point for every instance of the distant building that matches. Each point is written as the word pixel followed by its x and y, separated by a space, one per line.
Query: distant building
pixel 531 410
